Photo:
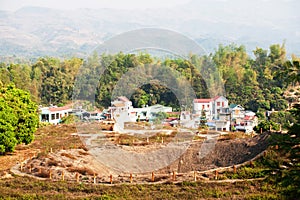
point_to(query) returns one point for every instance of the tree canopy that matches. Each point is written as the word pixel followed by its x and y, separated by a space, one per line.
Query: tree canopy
pixel 257 83
pixel 18 118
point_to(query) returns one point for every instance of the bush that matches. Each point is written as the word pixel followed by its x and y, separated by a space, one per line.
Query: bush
pixel 260 115
pixel 70 119
pixel 18 118
pixel 43 124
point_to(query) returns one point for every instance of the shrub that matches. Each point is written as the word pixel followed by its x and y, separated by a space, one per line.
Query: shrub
pixel 70 119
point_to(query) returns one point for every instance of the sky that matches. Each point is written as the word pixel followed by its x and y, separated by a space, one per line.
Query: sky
pixel 13 5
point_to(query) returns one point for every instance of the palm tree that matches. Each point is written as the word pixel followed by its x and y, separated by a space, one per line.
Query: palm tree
pixel 292 72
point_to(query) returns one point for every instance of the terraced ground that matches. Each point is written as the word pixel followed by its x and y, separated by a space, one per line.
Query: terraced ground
pixel 59 151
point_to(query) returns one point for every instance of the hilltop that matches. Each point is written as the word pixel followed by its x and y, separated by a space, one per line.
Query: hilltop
pixel 37 31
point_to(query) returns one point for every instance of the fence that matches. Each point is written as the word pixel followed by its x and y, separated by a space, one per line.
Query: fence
pixel 151 178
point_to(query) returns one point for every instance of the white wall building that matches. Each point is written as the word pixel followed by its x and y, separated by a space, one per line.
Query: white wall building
pixel 237 111
pixel 204 104
pixel 212 107
pixel 123 111
pixel 53 114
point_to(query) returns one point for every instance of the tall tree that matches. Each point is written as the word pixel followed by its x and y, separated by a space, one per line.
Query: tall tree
pixel 18 118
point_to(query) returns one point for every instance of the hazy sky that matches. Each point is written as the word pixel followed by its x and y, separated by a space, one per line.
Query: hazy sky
pixel 73 4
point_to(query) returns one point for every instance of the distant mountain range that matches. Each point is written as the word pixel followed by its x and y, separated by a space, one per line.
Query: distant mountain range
pixel 36 31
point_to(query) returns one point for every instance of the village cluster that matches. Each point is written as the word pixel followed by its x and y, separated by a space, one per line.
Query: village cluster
pixel 219 114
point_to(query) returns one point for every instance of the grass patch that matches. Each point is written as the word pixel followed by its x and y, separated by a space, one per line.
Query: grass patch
pixel 28 188
pixel 132 140
pixel 247 172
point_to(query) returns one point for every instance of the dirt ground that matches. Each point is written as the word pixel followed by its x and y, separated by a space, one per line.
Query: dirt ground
pixel 225 153
pixel 59 153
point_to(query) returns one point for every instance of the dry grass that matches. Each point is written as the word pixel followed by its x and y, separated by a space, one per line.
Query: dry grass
pixel 56 138
pixel 28 188
pixel 83 153
pixel 130 140
pixel 68 156
pixel 46 138
pixel 81 170
pixel 234 135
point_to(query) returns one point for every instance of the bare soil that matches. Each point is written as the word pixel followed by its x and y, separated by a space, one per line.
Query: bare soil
pixel 58 152
pixel 226 153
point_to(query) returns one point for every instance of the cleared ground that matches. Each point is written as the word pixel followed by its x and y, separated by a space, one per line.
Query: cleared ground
pixel 59 153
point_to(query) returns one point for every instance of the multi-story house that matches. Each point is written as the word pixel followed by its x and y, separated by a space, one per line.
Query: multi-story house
pixel 212 107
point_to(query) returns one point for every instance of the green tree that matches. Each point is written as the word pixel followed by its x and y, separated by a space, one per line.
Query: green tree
pixel 160 116
pixel 265 125
pixel 18 118
pixel 203 120
pixel 283 118
pixel 291 72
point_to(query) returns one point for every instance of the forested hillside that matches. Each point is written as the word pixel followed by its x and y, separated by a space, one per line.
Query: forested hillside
pixel 257 83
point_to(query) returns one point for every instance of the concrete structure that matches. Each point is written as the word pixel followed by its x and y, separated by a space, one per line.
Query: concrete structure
pixel 220 124
pixel 54 114
pixel 247 123
pixel 223 122
pixel 122 111
pixel 212 107
pixel 121 104
pixel 237 111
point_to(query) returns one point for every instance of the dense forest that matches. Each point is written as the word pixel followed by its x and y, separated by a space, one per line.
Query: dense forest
pixel 256 82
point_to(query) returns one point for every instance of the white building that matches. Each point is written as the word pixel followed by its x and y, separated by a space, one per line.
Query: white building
pixel 121 104
pixel 221 124
pixel 212 107
pixel 237 111
pixel 247 123
pixel 54 114
pixel 123 111
pixel 204 104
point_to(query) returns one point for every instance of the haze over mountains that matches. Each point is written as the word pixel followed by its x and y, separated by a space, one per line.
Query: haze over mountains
pixel 37 31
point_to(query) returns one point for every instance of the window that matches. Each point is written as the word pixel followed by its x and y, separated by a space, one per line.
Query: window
pixel 203 107
pixel 218 103
pixel 57 115
pixel 208 106
pixel 52 116
pixel 222 104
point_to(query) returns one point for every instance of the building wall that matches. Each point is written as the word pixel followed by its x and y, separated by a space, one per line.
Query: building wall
pixel 207 107
pixel 219 103
pixel 238 112
pixel 54 117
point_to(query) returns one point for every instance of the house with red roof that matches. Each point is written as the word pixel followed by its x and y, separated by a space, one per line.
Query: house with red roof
pixel 247 123
pixel 212 106
pixel 54 114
